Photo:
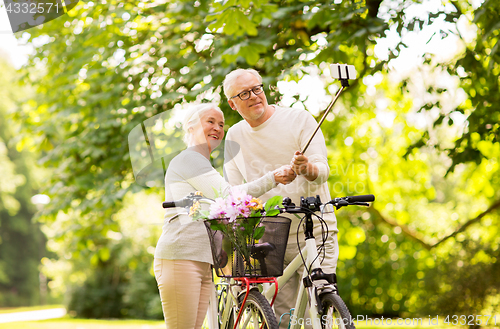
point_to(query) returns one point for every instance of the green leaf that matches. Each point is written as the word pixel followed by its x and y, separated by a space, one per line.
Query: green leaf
pixel 272 212
pixel 247 25
pixel 217 193
pixel 276 200
pixel 216 226
pixel 251 55
pixel 253 221
pixel 259 232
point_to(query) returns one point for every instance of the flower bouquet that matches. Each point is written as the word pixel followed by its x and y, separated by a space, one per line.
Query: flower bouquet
pixel 243 220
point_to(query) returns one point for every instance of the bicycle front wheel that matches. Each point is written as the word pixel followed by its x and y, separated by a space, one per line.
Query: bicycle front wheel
pixel 257 313
pixel 335 313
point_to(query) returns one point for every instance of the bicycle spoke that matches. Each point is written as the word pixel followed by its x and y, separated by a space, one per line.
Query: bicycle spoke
pixel 336 314
pixel 250 319
pixel 245 320
pixel 257 313
pixel 255 318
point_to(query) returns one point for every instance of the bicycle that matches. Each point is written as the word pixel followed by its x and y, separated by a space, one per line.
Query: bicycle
pixel 236 301
pixel 240 297
pixel 318 289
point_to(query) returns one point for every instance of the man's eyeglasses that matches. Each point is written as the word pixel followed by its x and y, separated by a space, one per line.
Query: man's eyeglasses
pixel 244 95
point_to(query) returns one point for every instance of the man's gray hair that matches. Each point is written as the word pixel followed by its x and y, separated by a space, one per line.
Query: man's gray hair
pixel 192 118
pixel 231 78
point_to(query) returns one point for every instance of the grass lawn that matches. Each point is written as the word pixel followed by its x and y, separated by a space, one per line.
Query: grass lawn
pixel 69 323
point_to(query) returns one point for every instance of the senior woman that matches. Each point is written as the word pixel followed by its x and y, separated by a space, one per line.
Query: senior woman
pixel 183 253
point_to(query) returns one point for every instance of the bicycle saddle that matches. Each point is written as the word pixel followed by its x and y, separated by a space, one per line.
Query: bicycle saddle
pixel 261 249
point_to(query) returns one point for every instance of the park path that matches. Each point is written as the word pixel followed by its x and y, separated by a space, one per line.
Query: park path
pixel 33 315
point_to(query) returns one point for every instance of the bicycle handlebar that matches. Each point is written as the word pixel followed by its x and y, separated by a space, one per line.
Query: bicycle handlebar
pixel 314 203
pixel 179 203
pixel 306 204
pixel 186 202
pixel 360 198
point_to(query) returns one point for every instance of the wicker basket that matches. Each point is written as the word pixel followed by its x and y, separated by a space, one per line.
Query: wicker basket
pixel 267 254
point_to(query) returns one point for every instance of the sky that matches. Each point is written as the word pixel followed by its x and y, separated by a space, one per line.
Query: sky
pixel 9 45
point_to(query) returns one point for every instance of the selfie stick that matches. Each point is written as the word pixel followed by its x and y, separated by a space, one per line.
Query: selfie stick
pixel 322 119
pixel 345 84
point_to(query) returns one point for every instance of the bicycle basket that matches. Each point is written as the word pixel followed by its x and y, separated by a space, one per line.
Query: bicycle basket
pixel 267 254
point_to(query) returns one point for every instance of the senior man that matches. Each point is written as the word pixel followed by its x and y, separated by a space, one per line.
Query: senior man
pixel 269 137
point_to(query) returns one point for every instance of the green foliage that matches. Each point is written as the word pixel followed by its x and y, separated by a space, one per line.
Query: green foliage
pixel 469 276
pixel 271 205
pixel 478 67
pixel 101 296
pixel 109 66
pixel 383 276
pixel 112 269
pixel 22 244
pixel 115 291
pixel 397 253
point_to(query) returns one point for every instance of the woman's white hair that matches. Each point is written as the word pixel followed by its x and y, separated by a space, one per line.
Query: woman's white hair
pixel 192 118
pixel 231 78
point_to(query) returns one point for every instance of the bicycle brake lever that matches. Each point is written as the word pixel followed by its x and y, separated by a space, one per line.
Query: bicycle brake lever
pixel 340 203
pixel 359 204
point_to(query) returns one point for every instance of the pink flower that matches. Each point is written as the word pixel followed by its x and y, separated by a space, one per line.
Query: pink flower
pixel 238 197
pixel 240 202
pixel 232 213
pixel 243 210
pixel 218 209
pixel 237 204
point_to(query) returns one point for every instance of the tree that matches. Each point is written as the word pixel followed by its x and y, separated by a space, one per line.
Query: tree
pixel 109 68
pixel 478 67
pixel 106 69
pixel 22 244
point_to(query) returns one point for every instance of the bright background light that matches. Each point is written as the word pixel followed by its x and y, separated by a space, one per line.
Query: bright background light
pixel 40 199
pixel 10 47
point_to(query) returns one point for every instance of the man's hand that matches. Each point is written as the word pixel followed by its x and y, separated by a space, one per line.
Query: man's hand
pixel 284 175
pixel 301 165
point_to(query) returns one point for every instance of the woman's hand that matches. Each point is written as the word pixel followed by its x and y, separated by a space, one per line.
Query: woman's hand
pixel 284 175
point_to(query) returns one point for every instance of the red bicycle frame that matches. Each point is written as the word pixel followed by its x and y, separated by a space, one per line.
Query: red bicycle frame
pixel 245 283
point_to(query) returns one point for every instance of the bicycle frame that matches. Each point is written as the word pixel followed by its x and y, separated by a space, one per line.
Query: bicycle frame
pixel 229 301
pixel 305 295
pixel 309 252
pixel 308 291
pixel 232 298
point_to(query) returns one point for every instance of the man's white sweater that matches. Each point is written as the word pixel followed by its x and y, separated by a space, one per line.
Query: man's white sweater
pixel 250 152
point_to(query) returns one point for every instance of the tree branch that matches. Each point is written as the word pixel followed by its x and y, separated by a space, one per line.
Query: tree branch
pixel 406 230
pixel 420 237
pixel 373 7
pixel 457 6
pixel 469 223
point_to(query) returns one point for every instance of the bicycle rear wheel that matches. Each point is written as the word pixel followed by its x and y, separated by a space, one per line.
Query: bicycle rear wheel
pixel 222 298
pixel 335 313
pixel 257 313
